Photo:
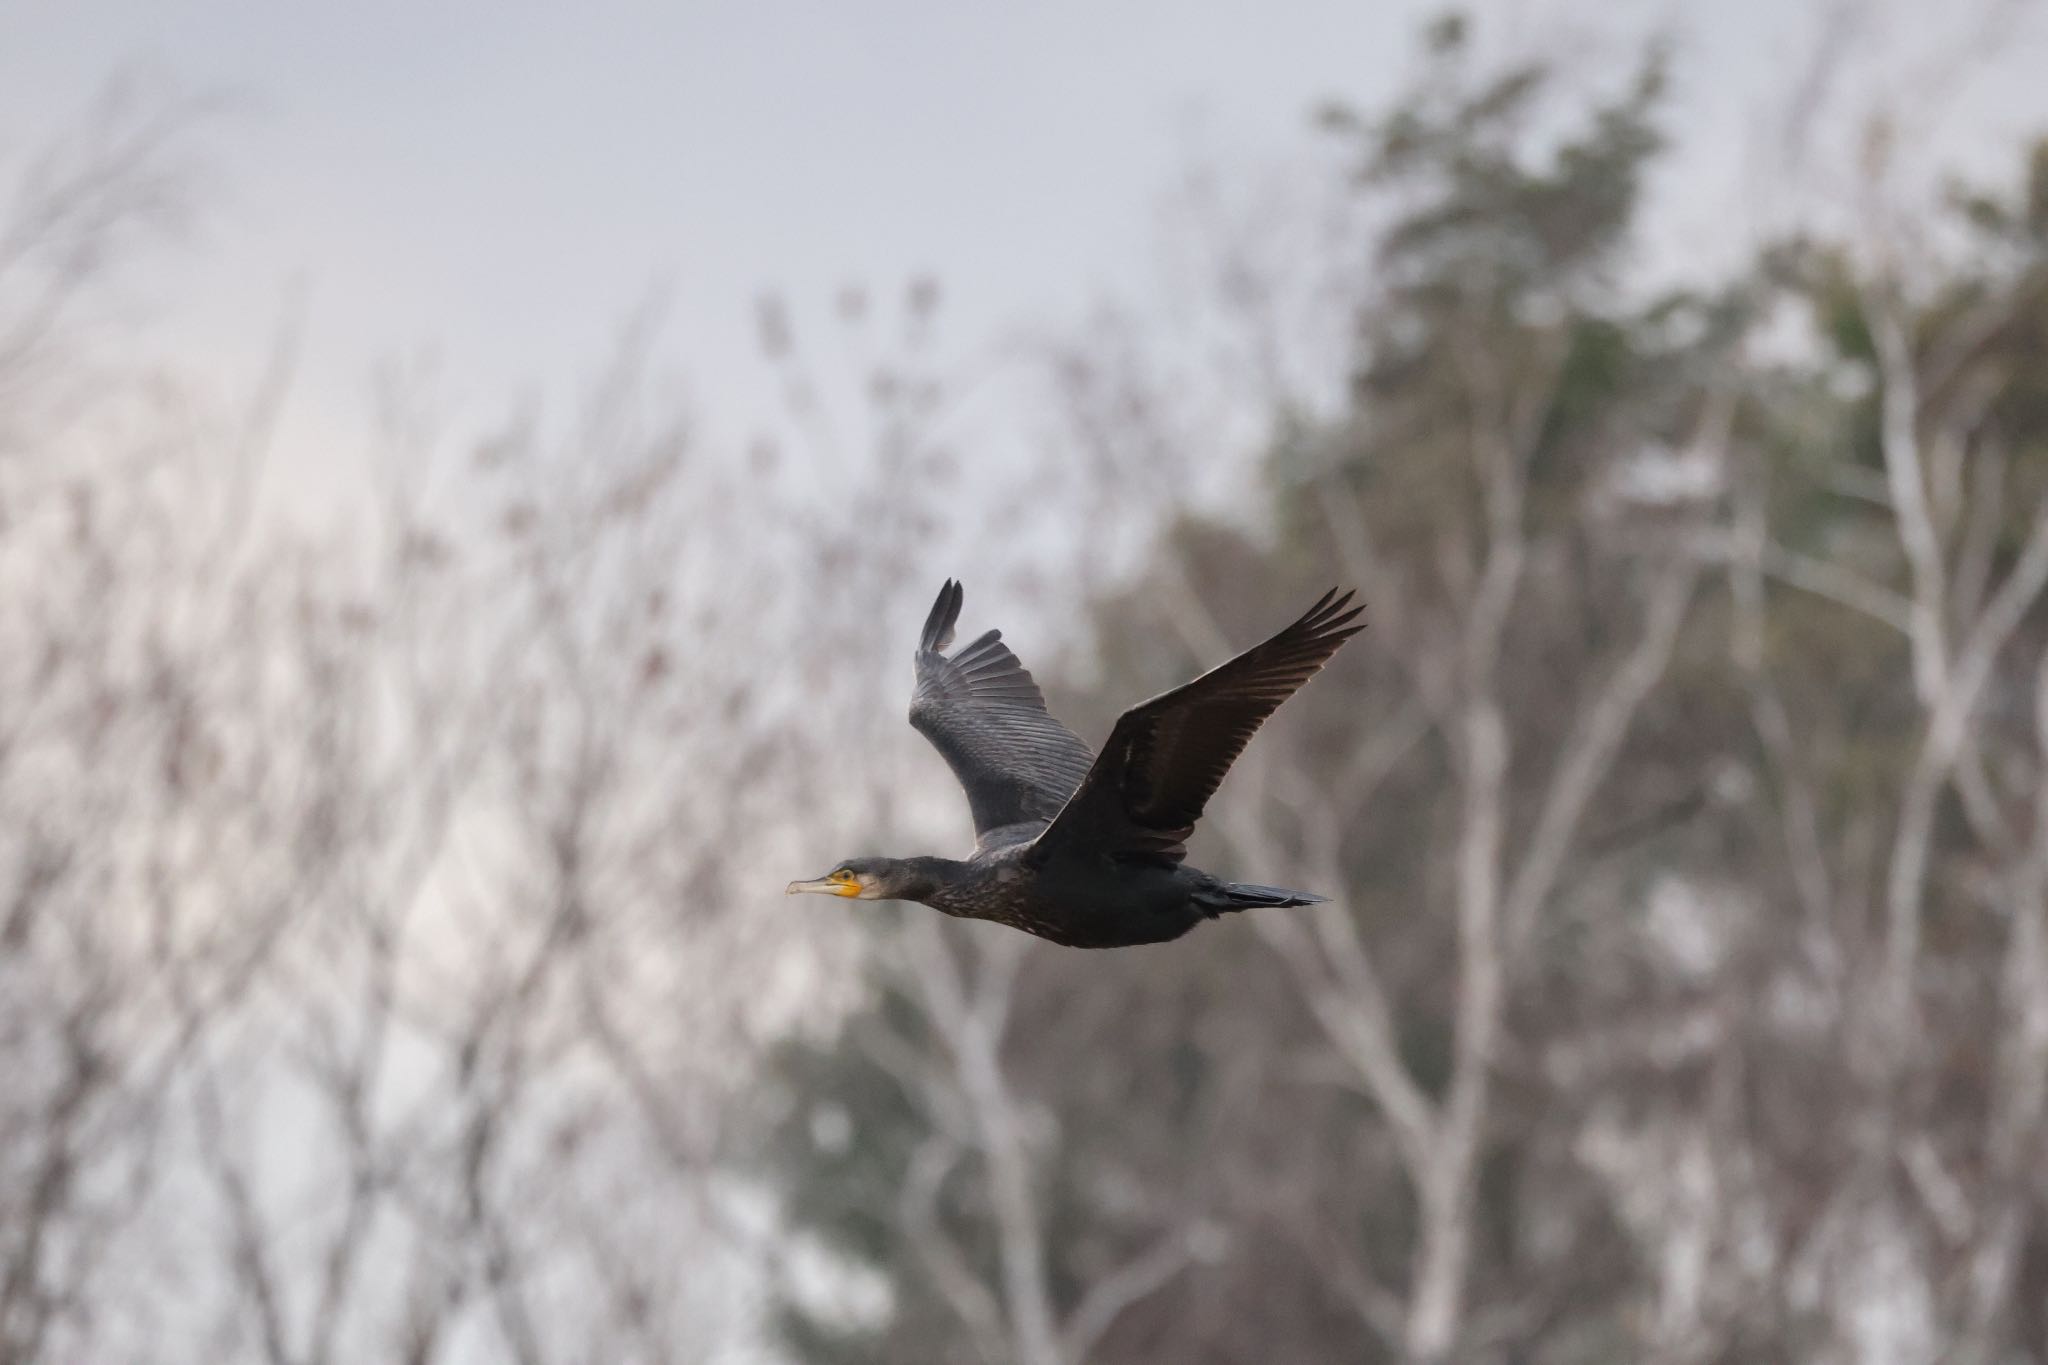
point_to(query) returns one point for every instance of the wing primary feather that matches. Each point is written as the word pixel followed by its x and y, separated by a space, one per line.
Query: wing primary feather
pixel 945 614
pixel 1166 756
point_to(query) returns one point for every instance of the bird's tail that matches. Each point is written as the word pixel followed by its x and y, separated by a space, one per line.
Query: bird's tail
pixel 1225 897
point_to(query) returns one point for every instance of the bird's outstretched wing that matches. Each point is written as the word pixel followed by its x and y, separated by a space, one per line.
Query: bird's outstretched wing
pixel 1166 757
pixel 982 711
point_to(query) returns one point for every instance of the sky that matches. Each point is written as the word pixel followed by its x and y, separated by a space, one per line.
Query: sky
pixel 497 187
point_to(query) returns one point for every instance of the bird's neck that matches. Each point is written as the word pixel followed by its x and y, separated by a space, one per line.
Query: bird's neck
pixel 928 879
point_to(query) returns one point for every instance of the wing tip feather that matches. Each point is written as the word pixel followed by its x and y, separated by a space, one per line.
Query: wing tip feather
pixel 1332 620
pixel 944 615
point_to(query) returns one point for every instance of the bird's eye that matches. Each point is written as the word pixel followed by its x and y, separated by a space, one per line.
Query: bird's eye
pixel 844 874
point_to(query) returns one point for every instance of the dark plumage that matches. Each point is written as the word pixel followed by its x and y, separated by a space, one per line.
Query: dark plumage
pixel 1087 850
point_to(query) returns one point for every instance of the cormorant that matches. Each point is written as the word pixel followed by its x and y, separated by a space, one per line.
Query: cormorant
pixel 1082 849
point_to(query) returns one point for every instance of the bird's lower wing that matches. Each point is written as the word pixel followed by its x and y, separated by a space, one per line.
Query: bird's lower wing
pixel 1167 756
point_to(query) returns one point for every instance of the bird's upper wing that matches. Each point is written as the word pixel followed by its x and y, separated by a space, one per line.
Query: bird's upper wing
pixel 1166 757
pixel 981 709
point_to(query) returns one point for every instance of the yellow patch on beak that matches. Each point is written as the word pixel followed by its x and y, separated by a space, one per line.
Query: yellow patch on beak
pixel 838 884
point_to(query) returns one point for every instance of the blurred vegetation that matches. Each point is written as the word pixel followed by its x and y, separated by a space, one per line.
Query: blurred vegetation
pixel 1684 1119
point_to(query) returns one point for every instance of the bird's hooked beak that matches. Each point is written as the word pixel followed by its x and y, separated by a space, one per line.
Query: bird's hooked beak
pixel 840 883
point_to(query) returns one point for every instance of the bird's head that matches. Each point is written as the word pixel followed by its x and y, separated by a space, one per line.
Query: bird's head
pixel 868 879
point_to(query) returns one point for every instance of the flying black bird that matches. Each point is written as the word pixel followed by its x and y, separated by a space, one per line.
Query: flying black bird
pixel 1087 850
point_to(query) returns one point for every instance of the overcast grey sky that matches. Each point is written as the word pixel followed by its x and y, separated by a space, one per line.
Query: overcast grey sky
pixel 501 183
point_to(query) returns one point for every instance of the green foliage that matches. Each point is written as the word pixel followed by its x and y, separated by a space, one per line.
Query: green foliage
pixel 840 1157
pixel 1500 338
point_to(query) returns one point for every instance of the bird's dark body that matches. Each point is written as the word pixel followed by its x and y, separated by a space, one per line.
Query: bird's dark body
pixel 1084 849
pixel 1099 904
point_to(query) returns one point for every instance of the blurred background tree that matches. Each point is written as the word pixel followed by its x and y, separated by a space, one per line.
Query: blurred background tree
pixel 1683 1000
